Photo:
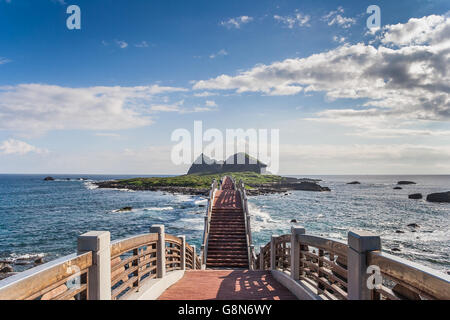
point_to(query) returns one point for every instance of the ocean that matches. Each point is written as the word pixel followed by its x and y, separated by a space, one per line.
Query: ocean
pixel 43 218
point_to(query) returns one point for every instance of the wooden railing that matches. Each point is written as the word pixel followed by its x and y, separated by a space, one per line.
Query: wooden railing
pixel 248 229
pixel 63 279
pixel 120 268
pixel 335 270
pixel 132 260
pixel 402 279
pixel 204 247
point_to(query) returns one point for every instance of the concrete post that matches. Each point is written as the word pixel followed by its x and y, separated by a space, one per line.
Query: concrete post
pixel 160 249
pixel 203 254
pixel 252 262
pixel 261 258
pixel 183 252
pixel 194 257
pixel 295 252
pixel 99 274
pixel 273 253
pixel 359 244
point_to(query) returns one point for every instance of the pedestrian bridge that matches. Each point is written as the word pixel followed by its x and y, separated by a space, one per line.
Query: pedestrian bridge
pixel 297 265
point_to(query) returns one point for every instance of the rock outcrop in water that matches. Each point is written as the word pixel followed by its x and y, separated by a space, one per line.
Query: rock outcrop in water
pixel 405 182
pixel 439 197
pixel 354 182
pixel 49 179
pixel 416 196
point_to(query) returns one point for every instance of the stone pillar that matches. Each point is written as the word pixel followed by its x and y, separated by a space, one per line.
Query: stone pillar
pixel 272 252
pixel 359 244
pixel 261 258
pixel 194 257
pixel 252 262
pixel 183 252
pixel 160 249
pixel 99 274
pixel 295 251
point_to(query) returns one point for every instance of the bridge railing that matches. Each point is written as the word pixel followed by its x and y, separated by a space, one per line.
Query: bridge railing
pixel 204 247
pixel 102 270
pixel 356 270
pixel 248 230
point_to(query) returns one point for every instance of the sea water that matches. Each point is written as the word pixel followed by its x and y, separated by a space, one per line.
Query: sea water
pixel 43 218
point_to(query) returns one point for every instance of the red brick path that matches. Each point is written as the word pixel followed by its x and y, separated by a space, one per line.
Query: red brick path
pixel 227 285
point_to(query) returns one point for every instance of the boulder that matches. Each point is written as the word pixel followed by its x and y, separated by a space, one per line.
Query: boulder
pixel 399 231
pixel 415 196
pixel 354 182
pixel 49 179
pixel 6 268
pixel 39 261
pixel 125 209
pixel 398 188
pixel 413 225
pixel 405 182
pixel 396 249
pixel 439 197
pixel 293 221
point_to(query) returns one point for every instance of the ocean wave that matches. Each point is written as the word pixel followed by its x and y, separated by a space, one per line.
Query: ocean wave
pixel 157 209
pixel 14 257
pixel 260 219
pixel 90 185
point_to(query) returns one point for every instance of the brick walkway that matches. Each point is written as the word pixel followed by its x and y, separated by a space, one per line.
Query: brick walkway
pixel 227 285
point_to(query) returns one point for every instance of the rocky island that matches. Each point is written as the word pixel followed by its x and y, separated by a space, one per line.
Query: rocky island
pixel 202 173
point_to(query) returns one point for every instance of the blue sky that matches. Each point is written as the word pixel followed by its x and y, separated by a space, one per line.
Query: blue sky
pixel 106 98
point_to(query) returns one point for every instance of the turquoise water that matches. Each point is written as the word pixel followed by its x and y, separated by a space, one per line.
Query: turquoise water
pixel 44 218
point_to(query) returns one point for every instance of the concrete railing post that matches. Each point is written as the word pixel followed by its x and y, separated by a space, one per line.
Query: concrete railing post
pixel 99 274
pixel 295 252
pixel 273 252
pixel 261 258
pixel 183 252
pixel 194 257
pixel 160 250
pixel 359 244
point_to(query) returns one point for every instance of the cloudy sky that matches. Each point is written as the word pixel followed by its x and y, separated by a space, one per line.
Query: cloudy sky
pixel 105 99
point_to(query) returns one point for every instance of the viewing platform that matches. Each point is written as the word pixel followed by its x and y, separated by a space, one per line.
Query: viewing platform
pixel 161 266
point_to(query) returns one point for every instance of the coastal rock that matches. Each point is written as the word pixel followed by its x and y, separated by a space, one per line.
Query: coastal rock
pixel 307 186
pixel 396 249
pixel 399 231
pixel 405 182
pixel 6 268
pixel 439 197
pixel 354 182
pixel 39 261
pixel 49 179
pixel 413 225
pixel 201 205
pixel 398 188
pixel 293 221
pixel 415 196
pixel 125 209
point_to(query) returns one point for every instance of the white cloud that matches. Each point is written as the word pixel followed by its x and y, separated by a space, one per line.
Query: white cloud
pixel 122 44
pixel 4 60
pixel 221 52
pixel 211 103
pixel 298 19
pixel 17 147
pixel 364 159
pixel 237 22
pixel 38 108
pixel 336 18
pixel 403 82
pixel 142 44
pixel 205 94
pixel 339 39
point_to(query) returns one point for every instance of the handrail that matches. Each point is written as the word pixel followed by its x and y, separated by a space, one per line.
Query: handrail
pixel 248 230
pixel 204 247
pixel 131 260
pixel 61 279
pixel 325 265
pixel 411 279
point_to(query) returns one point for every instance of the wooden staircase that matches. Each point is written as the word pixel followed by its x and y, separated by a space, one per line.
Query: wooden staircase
pixel 227 243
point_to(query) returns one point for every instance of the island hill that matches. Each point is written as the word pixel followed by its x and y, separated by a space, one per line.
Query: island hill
pixel 204 170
